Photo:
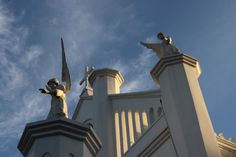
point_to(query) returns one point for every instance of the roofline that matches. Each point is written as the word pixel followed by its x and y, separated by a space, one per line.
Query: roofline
pixel 82 98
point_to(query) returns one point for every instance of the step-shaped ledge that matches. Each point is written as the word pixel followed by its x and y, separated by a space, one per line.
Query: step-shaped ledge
pixel 62 126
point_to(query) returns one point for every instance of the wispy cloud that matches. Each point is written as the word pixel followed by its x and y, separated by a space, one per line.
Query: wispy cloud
pixel 31 55
pixel 18 70
pixel 92 35
pixel 138 69
pixel 18 105
pixel 97 34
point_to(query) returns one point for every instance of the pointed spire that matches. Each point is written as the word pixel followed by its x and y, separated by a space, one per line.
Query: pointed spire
pixel 65 75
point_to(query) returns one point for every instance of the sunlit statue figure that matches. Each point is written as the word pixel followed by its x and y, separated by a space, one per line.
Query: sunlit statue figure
pixel 163 49
pixel 58 102
pixel 58 91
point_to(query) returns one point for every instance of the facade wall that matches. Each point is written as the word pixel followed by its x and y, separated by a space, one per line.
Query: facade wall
pixel 56 146
pixel 157 141
pixel 134 124
pixel 132 114
pixel 86 111
pixel 166 150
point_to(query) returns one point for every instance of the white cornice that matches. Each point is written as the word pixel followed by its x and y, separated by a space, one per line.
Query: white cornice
pixel 106 72
pixel 172 60
pixel 143 94
pixel 226 144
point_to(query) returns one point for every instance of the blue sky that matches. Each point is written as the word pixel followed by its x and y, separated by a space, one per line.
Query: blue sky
pixel 106 33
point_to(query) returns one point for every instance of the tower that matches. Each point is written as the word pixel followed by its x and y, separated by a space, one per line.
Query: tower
pixel 184 106
pixel 98 108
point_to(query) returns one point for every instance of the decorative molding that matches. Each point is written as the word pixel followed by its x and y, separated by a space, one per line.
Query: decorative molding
pixel 172 60
pixel 105 72
pixel 61 126
pixel 225 144
pixel 145 94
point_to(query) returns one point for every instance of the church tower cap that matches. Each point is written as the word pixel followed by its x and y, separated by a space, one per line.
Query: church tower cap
pixel 106 72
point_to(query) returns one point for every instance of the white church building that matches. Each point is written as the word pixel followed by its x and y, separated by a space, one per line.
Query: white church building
pixel 170 122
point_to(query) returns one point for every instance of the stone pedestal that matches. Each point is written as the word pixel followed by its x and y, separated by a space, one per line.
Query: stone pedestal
pixel 184 107
pixel 58 138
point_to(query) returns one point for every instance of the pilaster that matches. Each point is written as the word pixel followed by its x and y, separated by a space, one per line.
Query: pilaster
pixel 105 82
pixel 184 106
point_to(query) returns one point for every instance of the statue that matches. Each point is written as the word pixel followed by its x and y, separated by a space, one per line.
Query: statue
pixel 58 91
pixel 166 48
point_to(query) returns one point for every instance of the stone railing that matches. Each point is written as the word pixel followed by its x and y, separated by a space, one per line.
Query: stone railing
pixel 133 115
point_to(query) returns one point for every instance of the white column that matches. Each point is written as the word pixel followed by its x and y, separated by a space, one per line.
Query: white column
pixel 127 128
pixel 138 124
pixel 124 132
pixel 117 132
pixel 145 120
pixel 141 122
pixel 184 106
pixel 105 82
pixel 131 128
pixel 121 133
pixel 134 126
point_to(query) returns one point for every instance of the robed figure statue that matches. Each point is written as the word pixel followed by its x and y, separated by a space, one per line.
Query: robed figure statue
pixel 58 91
pixel 163 49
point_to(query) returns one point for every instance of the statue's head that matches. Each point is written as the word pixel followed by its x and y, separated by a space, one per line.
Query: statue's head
pixel 53 83
pixel 166 39
pixel 160 36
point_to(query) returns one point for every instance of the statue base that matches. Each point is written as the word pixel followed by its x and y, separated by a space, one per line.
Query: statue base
pixel 61 137
pixel 184 106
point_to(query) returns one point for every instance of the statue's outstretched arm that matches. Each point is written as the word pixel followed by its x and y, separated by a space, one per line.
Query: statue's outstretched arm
pixel 147 45
pixel 56 92
pixel 154 47
pixel 44 90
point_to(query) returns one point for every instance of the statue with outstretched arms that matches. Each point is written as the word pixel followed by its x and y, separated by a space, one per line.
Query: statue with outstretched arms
pixel 58 91
pixel 166 48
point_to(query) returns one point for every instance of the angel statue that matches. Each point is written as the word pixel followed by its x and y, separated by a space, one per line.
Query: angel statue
pixel 58 91
pixel 166 48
